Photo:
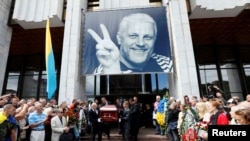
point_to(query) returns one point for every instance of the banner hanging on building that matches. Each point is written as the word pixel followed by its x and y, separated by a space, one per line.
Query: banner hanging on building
pixel 126 41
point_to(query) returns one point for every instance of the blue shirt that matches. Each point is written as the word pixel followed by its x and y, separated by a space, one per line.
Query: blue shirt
pixel 35 118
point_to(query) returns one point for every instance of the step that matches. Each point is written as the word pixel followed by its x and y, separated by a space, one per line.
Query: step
pixel 145 134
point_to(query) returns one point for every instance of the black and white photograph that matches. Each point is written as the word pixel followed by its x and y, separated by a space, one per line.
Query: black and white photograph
pixel 127 41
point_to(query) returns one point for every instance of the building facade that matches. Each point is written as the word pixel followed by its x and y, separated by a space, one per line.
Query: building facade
pixel 209 44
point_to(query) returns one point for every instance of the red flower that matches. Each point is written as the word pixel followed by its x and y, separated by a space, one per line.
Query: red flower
pixel 72 117
pixel 202 125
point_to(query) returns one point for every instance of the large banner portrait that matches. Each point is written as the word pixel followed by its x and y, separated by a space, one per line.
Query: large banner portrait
pixel 126 41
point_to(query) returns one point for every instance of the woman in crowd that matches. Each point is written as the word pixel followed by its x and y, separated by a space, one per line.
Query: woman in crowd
pixel 189 118
pixel 201 109
pixel 218 115
pixel 242 116
pixel 172 122
pixel 186 100
pixel 232 115
pixel 180 117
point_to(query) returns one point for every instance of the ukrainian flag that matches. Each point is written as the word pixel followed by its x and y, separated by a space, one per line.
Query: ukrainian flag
pixel 50 64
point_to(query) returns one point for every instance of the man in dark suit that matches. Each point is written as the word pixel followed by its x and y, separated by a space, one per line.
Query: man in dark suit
pixel 95 122
pixel 125 120
pixel 119 106
pixel 135 118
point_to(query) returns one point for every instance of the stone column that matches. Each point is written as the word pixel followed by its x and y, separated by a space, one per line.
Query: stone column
pixel 71 83
pixel 183 81
pixel 5 37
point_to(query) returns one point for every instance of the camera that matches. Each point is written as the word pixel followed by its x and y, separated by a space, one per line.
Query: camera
pixel 212 90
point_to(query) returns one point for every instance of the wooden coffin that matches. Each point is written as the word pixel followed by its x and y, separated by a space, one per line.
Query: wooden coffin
pixel 109 113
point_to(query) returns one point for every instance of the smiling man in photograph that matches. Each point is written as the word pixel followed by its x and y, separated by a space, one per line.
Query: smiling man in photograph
pixel 136 37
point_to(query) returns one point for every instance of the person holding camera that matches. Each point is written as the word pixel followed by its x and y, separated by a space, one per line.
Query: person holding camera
pixel 212 90
pixel 22 120
pixel 6 99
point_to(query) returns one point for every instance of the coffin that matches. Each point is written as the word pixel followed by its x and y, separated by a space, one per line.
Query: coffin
pixel 109 113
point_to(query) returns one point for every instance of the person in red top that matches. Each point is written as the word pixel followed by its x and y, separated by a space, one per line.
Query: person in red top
pixel 218 115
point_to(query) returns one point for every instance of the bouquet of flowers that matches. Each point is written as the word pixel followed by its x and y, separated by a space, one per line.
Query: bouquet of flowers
pixel 162 112
pixel 72 117
pixel 160 117
pixel 201 127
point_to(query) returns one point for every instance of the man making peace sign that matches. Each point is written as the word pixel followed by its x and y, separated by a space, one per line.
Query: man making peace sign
pixel 136 38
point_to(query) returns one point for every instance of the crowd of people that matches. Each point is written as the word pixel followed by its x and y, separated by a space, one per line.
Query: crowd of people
pixel 189 120
pixel 46 120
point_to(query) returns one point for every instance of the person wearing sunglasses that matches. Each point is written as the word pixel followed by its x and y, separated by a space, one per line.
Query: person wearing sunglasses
pixel 58 125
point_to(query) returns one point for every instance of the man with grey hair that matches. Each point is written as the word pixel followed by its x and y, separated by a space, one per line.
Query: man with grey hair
pixel 156 124
pixel 96 126
pixel 171 100
pixel 43 101
pixel 136 37
pixel 59 125
pixel 36 122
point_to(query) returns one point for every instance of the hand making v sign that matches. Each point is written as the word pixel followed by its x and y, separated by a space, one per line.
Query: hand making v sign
pixel 107 52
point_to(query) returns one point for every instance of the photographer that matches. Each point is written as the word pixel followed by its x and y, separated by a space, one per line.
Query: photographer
pixel 21 118
pixel 212 90
pixel 14 101
pixel 219 95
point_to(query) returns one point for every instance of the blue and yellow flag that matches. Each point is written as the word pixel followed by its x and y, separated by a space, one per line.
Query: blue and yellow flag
pixel 50 64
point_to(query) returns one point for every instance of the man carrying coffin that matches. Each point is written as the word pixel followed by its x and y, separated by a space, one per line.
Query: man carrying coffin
pixel 95 122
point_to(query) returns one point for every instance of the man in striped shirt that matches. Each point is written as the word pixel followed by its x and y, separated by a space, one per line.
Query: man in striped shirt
pixel 36 123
